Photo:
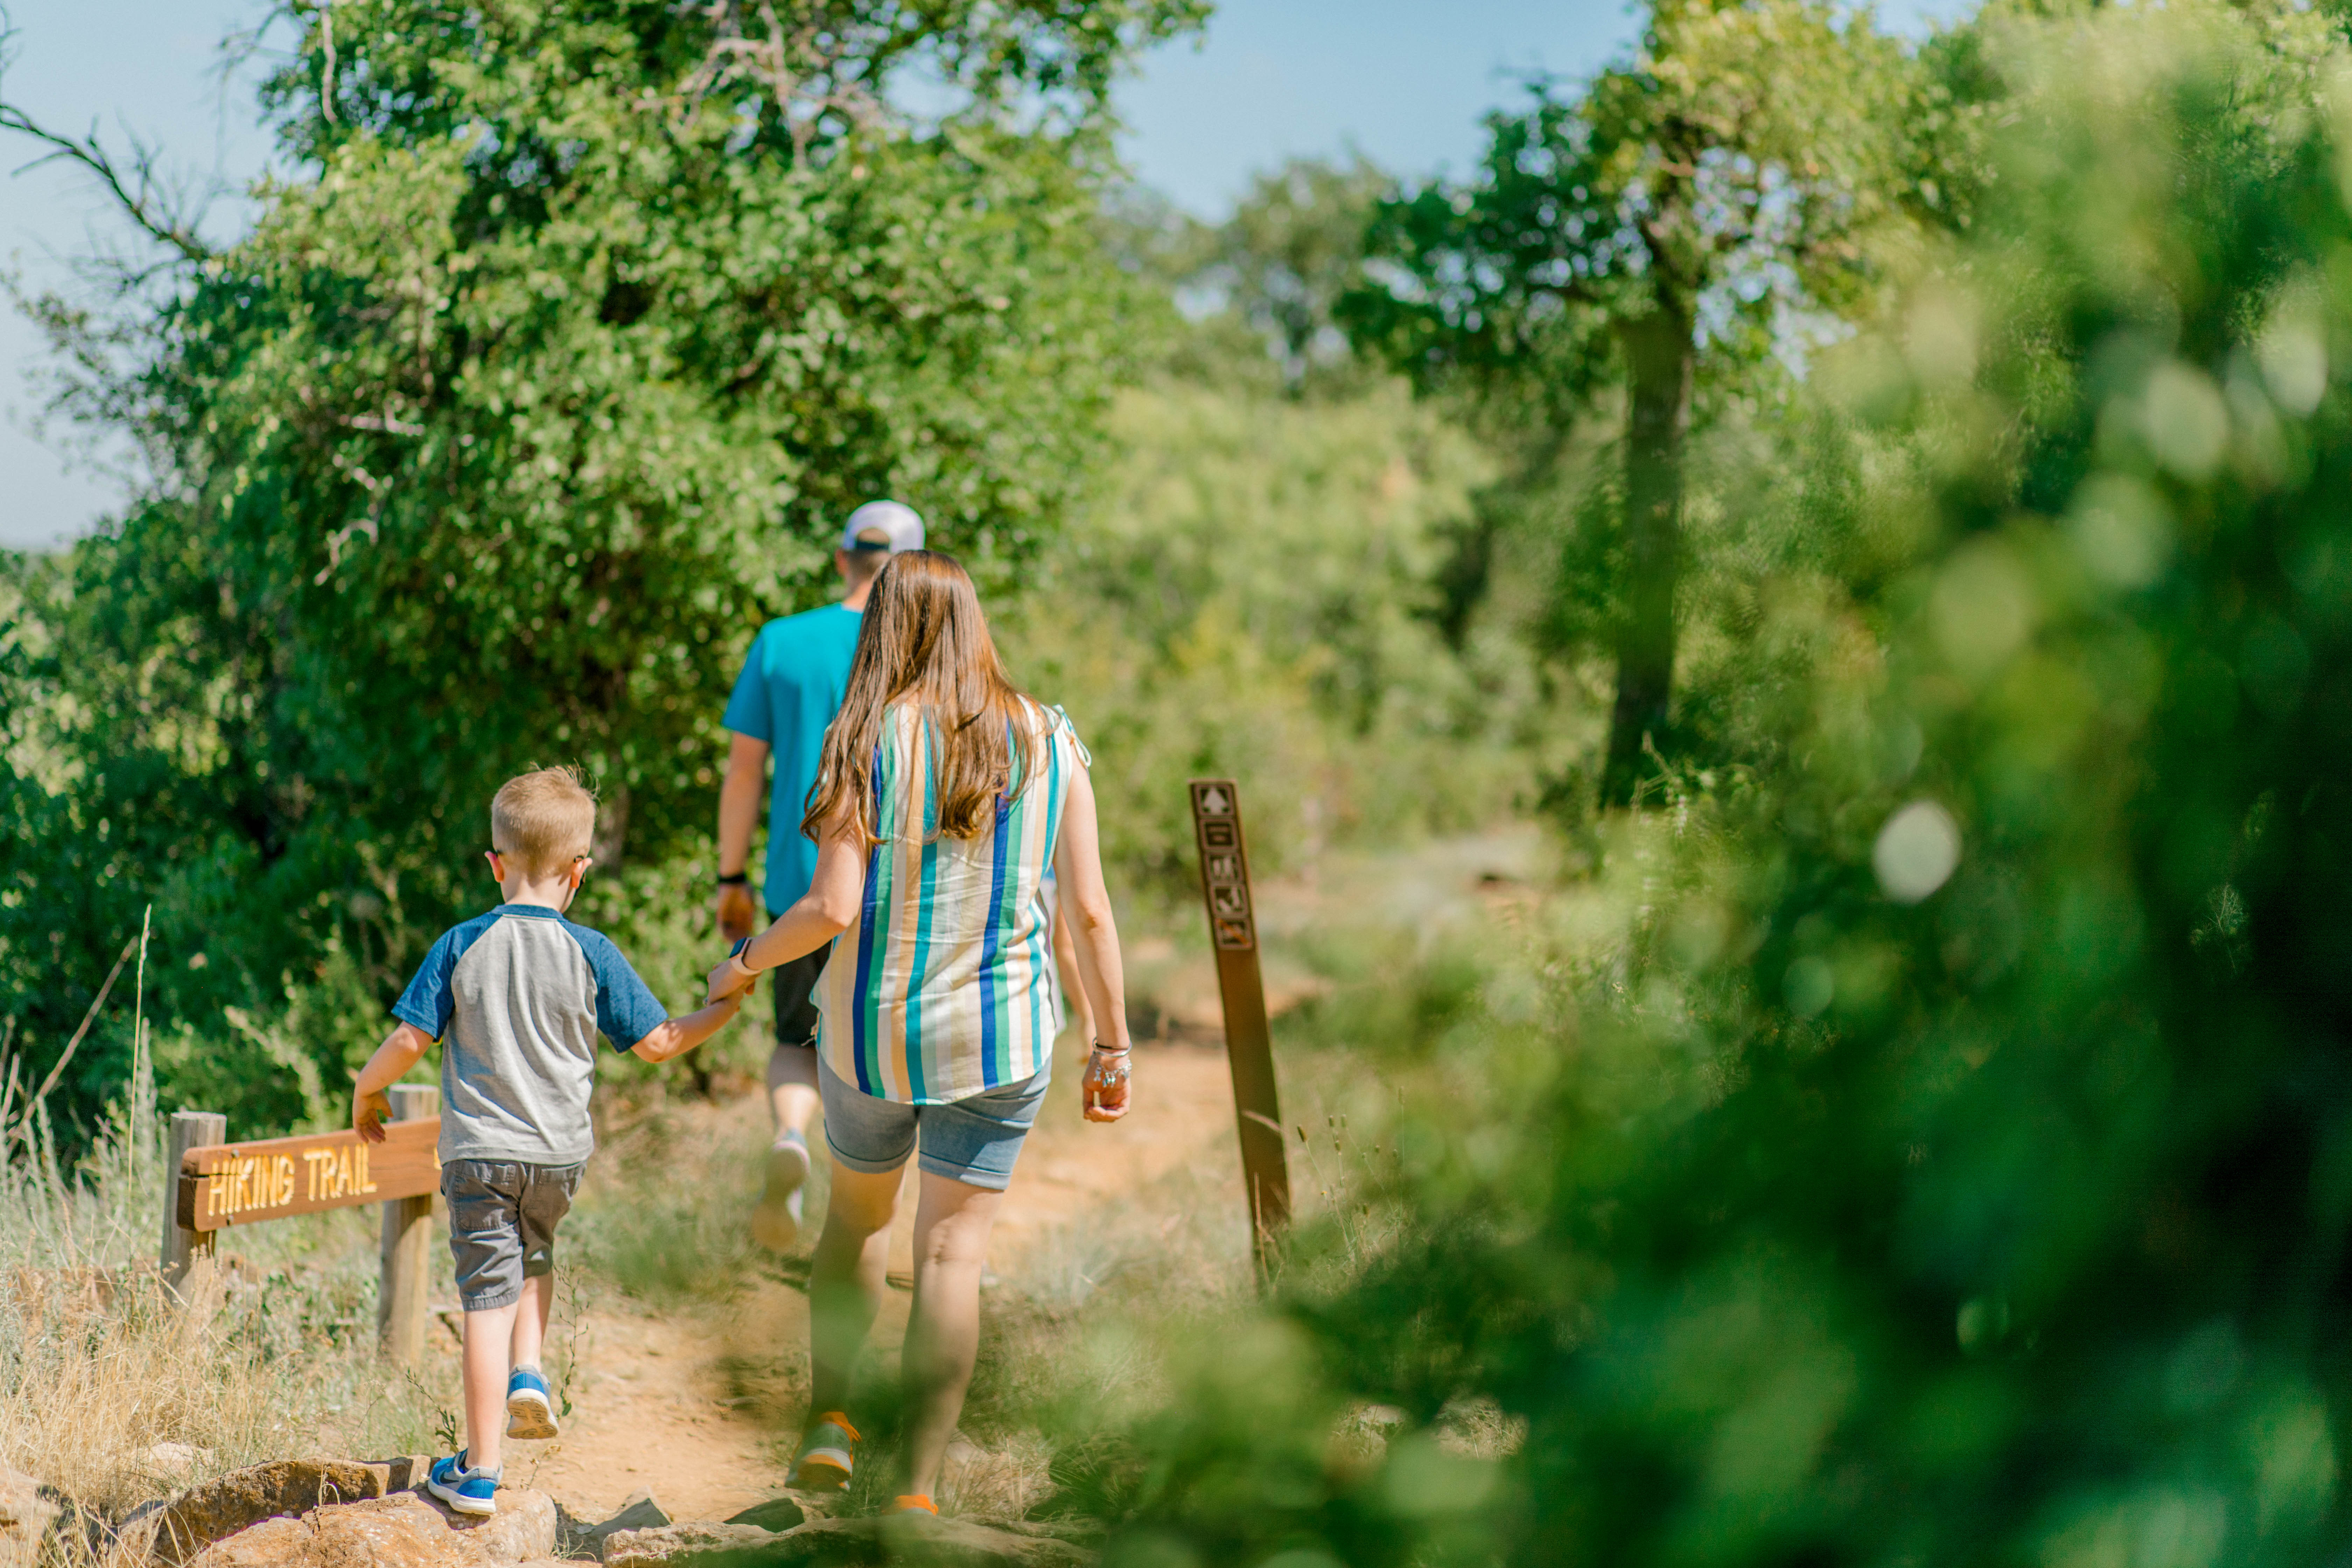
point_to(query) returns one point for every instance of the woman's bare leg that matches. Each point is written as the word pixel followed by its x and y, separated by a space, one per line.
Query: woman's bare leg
pixel 845 1279
pixel 953 1220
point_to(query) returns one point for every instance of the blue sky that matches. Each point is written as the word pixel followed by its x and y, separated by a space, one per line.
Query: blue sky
pixel 1403 82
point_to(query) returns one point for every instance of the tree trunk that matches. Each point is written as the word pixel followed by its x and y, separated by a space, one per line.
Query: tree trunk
pixel 1660 355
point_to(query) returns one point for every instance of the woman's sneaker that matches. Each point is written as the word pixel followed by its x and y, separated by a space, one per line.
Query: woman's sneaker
pixel 776 1223
pixel 531 1413
pixel 827 1455
pixel 465 1490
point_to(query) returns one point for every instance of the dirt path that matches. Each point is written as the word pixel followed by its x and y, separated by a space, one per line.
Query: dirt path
pixel 695 1405
pixel 699 1404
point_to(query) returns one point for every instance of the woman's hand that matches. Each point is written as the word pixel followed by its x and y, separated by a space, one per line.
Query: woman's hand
pixel 729 979
pixel 1105 1088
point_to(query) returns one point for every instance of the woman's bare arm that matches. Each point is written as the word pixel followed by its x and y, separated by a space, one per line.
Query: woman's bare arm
pixel 829 908
pixel 1065 966
pixel 1094 932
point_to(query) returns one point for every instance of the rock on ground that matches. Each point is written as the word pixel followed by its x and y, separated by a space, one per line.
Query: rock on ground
pixel 779 1513
pixel 642 1511
pixel 905 1538
pixel 671 1543
pixel 25 1517
pixel 213 1511
pixel 403 1530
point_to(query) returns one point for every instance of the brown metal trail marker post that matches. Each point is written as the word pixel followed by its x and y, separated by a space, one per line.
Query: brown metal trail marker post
pixel 1249 1043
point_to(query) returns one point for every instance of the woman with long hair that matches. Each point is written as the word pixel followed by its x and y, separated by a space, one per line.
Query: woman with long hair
pixel 943 799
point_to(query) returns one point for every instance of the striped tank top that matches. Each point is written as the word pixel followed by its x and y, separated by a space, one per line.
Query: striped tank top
pixel 943 988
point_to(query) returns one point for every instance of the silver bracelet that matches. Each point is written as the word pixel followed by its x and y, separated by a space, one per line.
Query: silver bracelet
pixel 1111 1077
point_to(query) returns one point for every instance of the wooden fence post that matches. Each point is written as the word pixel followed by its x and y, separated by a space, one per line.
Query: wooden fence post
pixel 400 1302
pixel 190 1129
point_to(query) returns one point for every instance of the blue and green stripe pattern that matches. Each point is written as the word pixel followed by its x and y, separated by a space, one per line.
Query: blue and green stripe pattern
pixel 943 988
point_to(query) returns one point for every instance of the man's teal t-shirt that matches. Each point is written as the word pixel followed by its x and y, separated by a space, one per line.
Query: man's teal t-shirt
pixel 790 688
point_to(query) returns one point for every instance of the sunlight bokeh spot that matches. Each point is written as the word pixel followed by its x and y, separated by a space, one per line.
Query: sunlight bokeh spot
pixel 1916 852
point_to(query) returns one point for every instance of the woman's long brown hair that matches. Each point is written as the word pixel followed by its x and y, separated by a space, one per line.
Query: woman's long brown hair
pixel 925 643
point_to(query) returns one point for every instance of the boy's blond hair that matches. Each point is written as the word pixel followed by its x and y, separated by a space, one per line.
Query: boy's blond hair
pixel 543 819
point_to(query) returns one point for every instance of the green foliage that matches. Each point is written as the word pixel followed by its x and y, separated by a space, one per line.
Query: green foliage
pixel 1686 227
pixel 533 392
pixel 1249 601
pixel 1270 588
pixel 1259 293
pixel 1739 173
pixel 1896 1193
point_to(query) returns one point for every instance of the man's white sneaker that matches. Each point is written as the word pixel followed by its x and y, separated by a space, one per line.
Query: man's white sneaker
pixel 776 1223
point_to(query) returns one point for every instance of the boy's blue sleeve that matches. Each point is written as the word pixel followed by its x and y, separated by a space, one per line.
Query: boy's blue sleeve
pixel 747 708
pixel 625 1011
pixel 428 1001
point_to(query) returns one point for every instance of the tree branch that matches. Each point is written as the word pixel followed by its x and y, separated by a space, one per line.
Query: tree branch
pixel 87 1018
pixel 144 205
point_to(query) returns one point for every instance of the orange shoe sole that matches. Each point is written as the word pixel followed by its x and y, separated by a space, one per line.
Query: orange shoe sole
pixel 818 1475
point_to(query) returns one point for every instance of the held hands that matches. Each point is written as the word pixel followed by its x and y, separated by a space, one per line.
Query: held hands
pixel 730 979
pixel 369 1113
pixel 1105 1088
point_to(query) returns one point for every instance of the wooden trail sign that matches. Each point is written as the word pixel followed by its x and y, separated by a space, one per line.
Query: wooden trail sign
pixel 223 1184
pixel 1249 1041
pixel 244 1183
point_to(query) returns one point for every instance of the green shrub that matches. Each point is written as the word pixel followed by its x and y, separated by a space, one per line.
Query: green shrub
pixel 1949 1163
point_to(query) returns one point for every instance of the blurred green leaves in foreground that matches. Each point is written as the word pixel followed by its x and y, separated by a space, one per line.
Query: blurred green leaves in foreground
pixel 1955 1163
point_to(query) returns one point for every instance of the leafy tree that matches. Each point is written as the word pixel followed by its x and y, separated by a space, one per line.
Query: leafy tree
pixel 1722 196
pixel 1281 264
pixel 1249 599
pixel 1951 1166
pixel 1259 292
pixel 538 387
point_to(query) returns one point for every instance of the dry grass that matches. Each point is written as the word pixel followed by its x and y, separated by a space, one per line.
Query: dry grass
pixel 114 1391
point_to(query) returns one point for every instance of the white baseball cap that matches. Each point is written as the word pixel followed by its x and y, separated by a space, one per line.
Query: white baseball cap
pixel 882 525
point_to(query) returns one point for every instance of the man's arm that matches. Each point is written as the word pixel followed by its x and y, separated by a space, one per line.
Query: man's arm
pixel 679 1035
pixel 370 1107
pixel 739 813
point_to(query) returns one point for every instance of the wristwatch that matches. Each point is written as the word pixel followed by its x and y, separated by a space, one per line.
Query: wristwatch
pixel 735 957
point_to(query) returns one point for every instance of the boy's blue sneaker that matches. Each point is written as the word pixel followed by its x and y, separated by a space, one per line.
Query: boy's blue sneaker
pixel 530 1411
pixel 464 1488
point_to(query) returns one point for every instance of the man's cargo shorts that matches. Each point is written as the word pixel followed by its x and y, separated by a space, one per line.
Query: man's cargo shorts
pixel 502 1220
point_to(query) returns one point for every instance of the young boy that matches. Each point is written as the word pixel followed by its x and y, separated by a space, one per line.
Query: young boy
pixel 518 997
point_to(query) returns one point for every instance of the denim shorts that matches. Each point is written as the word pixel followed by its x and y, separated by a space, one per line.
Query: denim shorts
pixel 972 1140
pixel 502 1220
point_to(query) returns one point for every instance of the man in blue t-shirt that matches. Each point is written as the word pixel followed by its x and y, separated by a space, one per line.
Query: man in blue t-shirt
pixel 790 688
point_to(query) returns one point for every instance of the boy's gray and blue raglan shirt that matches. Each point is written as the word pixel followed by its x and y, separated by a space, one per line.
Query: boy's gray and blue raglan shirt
pixel 516 997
